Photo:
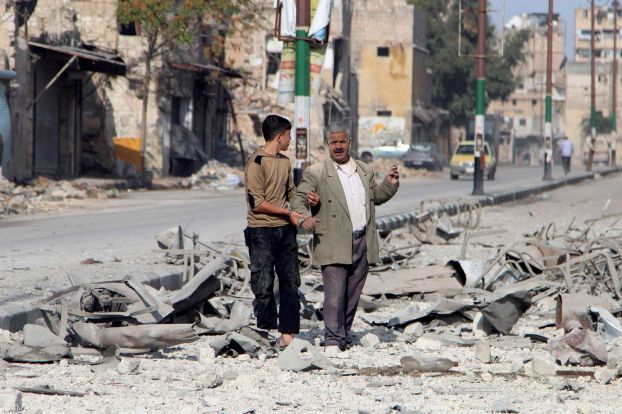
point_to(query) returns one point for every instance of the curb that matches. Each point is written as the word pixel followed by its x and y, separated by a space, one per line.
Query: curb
pixel 395 221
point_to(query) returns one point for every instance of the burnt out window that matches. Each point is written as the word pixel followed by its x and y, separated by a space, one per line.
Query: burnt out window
pixel 128 29
pixel 383 51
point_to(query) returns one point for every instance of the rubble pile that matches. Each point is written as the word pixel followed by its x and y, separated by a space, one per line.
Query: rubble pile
pixel 45 195
pixel 551 301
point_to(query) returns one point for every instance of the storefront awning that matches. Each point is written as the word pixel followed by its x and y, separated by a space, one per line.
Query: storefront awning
pixel 83 59
pixel 206 68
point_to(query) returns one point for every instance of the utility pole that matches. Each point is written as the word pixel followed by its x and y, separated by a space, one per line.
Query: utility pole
pixel 548 128
pixel 480 90
pixel 302 108
pixel 590 158
pixel 614 99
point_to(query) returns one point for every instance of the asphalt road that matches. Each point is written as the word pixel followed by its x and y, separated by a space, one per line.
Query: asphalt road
pixel 113 226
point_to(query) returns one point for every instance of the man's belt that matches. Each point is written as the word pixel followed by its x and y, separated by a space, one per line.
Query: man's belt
pixel 358 234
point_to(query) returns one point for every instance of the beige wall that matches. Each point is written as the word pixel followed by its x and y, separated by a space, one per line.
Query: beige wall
pixel 525 107
pixel 603 27
pixel 578 107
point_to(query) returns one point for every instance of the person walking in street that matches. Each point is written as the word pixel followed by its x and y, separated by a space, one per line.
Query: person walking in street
pixel 271 232
pixel 566 148
pixel 342 194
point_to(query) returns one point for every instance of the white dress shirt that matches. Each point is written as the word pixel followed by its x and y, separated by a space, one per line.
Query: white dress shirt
pixel 355 193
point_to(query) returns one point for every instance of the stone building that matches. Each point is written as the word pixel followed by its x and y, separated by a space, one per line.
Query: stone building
pixel 524 109
pixel 390 61
pixel 76 102
pixel 603 39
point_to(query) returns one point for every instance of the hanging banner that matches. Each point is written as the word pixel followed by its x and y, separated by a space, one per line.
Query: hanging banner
pixel 320 15
pixel 287 74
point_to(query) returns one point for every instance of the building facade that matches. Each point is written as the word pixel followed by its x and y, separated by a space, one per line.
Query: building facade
pixel 603 36
pixel 524 110
pixel 77 101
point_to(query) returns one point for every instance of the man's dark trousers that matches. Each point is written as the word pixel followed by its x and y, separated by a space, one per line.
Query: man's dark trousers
pixel 273 248
pixel 343 285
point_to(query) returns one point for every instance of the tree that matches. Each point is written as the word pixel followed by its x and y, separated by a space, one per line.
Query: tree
pixel 453 76
pixel 166 23
pixel 603 124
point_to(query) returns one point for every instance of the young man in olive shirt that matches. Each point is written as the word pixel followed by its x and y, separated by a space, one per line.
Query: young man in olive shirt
pixel 271 231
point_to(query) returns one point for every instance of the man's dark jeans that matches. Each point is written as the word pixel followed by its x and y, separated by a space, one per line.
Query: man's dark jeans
pixel 273 248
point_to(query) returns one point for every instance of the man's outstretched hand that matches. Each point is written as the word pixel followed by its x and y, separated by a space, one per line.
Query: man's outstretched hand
pixel 393 176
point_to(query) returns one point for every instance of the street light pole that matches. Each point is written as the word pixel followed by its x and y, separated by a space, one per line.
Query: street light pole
pixel 548 127
pixel 614 99
pixel 590 158
pixel 302 106
pixel 480 89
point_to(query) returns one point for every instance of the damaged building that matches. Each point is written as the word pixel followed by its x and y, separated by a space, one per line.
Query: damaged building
pixel 76 101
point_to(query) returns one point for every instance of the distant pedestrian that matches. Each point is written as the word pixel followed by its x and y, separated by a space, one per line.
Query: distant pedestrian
pixel 271 232
pixel 566 148
pixel 342 195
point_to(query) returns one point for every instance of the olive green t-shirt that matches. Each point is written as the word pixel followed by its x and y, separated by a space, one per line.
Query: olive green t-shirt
pixel 268 178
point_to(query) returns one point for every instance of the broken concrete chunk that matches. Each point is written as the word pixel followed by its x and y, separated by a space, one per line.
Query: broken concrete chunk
pixel 505 311
pixel 240 316
pixel 301 355
pixel 22 353
pixel 41 337
pixel 234 344
pixel 210 380
pixel 503 406
pixel 603 376
pixel 579 347
pixel 483 352
pixel 541 368
pixel 572 310
pixel 140 336
pixel 414 329
pixel 128 366
pixel 10 401
pixel 423 364
pixel 370 340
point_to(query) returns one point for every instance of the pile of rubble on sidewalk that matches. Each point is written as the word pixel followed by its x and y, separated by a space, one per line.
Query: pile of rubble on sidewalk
pixel 213 175
pixel 45 195
pixel 557 287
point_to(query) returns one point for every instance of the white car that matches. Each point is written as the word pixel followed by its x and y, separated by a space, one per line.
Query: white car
pixel 388 149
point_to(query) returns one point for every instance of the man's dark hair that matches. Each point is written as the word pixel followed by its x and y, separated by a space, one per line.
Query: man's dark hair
pixel 274 125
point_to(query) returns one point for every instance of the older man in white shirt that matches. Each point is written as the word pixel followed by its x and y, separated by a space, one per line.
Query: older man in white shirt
pixel 342 195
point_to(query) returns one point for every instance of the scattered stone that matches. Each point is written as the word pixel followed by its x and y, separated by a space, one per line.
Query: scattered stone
pixel 10 401
pixel 128 366
pixel 486 376
pixel 370 340
pixel 210 380
pixel 331 350
pixel 604 376
pixel 502 406
pixel 482 352
pixel 541 368
pixel 414 329
pixel 428 344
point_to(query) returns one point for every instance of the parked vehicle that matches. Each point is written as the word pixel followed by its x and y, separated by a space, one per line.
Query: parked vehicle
pixel 463 161
pixel 425 156
pixel 388 149
pixel 492 136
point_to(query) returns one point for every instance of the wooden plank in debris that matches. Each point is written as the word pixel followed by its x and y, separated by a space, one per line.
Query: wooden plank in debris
pixel 420 280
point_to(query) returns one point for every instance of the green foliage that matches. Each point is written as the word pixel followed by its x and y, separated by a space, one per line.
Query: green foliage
pixel 603 124
pixel 453 76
